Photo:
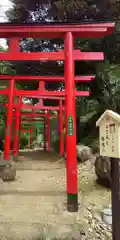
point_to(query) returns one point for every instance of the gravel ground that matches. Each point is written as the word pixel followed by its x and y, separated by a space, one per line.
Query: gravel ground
pixel 34 205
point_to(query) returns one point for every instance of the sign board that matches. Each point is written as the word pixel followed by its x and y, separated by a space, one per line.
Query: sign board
pixel 70 126
pixel 109 135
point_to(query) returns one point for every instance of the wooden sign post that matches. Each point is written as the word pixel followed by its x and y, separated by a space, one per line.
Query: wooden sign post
pixel 109 139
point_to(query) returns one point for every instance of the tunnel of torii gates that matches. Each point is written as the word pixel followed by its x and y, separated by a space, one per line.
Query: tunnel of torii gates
pixel 40 106
pixel 30 130
pixel 47 118
pixel 47 132
pixel 69 32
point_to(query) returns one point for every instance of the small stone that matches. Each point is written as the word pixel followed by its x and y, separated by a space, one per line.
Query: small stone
pixel 89 208
pixel 90 230
pixel 90 216
pixel 93 223
pixel 82 232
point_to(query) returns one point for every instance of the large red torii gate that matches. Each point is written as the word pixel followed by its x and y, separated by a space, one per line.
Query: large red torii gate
pixel 69 32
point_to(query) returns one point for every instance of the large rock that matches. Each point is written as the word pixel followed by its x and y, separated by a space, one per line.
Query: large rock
pixel 83 153
pixel 103 168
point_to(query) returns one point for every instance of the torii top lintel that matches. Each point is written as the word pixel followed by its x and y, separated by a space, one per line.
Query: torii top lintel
pixel 79 78
pixel 55 30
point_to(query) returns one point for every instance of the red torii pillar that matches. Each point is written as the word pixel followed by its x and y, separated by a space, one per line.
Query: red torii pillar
pixel 70 113
pixel 17 130
pixel 42 87
pixel 31 135
pixel 8 132
pixel 45 134
pixel 47 129
pixel 48 133
pixel 31 140
pixel 61 129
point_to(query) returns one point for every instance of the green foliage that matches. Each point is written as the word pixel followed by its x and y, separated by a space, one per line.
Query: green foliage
pixel 23 142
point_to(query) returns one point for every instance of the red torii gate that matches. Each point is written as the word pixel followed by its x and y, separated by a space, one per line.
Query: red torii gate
pixel 69 32
pixel 46 116
pixel 17 116
pixel 40 93
pixel 30 132
pixel 40 106
pixel 59 108
pixel 47 135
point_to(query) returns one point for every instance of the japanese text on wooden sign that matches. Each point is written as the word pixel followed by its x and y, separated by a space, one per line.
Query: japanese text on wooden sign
pixel 109 139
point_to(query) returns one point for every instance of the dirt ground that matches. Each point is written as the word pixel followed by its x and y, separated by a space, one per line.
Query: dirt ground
pixel 34 205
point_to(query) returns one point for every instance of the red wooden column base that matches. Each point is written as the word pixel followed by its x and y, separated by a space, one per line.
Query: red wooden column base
pixel 70 112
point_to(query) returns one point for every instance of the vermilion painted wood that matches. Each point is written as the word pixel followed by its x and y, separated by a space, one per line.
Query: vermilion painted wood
pixel 70 112
pixel 38 93
pixel 48 93
pixel 25 130
pixel 17 129
pixel 5 92
pixel 32 114
pixel 30 132
pixel 86 30
pixel 61 128
pixel 45 97
pixel 49 56
pixel 14 45
pixel 45 134
pixel 33 120
pixel 26 106
pixel 9 121
pixel 48 133
pixel 41 87
pixel 46 78
pixel 49 97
